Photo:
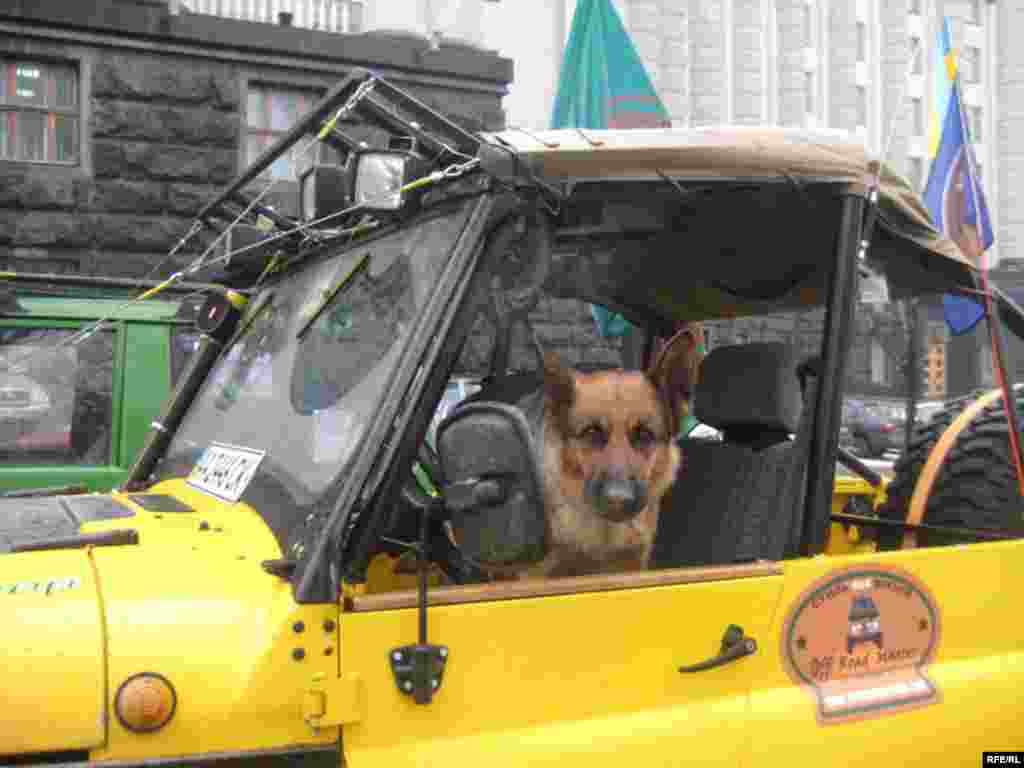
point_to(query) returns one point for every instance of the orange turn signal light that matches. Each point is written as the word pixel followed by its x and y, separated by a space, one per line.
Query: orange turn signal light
pixel 145 702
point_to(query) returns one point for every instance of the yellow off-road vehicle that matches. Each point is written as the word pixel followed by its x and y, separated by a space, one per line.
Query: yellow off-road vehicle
pixel 292 573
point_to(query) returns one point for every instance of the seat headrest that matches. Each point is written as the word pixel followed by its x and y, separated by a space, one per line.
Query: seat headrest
pixel 749 386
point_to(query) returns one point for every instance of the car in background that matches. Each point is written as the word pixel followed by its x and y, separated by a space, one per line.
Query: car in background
pixel 926 411
pixel 23 403
pixel 871 428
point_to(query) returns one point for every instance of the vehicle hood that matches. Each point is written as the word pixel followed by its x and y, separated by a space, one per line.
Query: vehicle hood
pixel 53 657
pixel 185 596
pixel 175 516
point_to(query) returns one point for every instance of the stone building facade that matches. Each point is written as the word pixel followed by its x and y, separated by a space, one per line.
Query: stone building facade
pixel 163 114
pixel 120 119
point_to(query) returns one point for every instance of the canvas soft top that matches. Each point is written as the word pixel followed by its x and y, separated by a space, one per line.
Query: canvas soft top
pixel 728 153
pixel 761 234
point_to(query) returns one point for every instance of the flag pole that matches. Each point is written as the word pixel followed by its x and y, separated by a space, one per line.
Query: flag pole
pixel 995 336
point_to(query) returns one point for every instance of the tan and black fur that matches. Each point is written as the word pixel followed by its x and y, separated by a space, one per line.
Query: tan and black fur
pixel 608 456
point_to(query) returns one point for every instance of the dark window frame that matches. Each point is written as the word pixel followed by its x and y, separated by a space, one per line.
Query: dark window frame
pixel 15 109
pixel 266 133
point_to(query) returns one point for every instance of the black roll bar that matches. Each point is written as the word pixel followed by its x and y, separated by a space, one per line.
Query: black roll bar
pixel 835 345
pixel 388 109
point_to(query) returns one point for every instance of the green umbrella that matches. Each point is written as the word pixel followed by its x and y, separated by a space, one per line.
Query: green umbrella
pixel 603 84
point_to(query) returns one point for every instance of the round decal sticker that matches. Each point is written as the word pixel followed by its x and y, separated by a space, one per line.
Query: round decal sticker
pixel 859 640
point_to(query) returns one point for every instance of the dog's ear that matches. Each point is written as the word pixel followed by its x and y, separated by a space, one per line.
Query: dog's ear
pixel 559 386
pixel 675 371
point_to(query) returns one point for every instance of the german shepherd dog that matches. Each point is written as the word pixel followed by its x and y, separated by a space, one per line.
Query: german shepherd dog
pixel 607 450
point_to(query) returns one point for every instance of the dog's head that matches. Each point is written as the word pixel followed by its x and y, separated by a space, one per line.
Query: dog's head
pixel 615 432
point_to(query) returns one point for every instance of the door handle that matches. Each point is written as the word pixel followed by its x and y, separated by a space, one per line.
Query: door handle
pixel 735 645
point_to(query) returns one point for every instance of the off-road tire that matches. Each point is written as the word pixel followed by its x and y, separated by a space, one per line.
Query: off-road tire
pixel 975 488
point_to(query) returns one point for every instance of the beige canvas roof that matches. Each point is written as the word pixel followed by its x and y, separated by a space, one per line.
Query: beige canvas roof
pixel 729 152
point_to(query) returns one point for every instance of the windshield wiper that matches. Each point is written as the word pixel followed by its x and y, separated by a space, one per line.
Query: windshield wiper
pixel 329 296
pixel 247 321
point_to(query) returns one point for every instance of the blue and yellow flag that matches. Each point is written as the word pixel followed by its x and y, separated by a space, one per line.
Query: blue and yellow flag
pixel 953 193
pixel 603 84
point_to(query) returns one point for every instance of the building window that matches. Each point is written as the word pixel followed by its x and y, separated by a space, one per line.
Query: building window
pixel 918 50
pixel 809 105
pixel 862 41
pixel 39 112
pixel 270 113
pixel 970 64
pixel 917 110
pixel 355 17
pixel 975 11
pixel 974 124
pixel 917 179
pixel 862 106
pixel 808 25
pixel 915 7
pixel 878 373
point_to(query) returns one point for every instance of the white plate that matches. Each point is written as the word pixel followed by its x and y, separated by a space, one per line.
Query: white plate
pixel 225 470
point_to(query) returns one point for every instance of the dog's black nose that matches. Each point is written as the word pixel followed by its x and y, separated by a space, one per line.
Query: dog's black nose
pixel 617 497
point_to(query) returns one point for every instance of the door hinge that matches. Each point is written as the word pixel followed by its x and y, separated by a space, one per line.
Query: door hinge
pixel 333 701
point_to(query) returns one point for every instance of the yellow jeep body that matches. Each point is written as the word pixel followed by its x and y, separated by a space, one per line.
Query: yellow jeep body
pixel 241 602
pixel 581 671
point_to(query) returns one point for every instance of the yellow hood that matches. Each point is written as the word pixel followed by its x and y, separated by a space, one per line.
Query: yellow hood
pixel 53 653
pixel 187 599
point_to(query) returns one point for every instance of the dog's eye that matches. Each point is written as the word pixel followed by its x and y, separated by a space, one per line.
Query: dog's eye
pixel 595 436
pixel 642 438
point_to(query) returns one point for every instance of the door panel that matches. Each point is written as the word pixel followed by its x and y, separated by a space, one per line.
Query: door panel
pixel 581 677
pixel 977 668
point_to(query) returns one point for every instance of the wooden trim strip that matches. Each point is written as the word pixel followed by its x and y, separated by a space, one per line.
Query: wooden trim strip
pixel 513 590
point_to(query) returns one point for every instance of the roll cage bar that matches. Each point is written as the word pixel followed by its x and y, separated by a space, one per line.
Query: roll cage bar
pixel 361 96
pixel 393 114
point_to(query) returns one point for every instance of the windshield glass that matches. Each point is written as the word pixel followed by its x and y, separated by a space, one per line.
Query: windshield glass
pixel 307 373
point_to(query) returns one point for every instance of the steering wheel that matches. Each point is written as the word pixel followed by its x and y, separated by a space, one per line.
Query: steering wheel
pixel 419 497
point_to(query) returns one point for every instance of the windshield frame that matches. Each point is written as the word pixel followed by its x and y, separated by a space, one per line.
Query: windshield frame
pixel 357 546
pixel 320 579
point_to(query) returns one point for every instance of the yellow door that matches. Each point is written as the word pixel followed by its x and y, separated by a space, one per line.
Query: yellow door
pixel 914 659
pixel 567 672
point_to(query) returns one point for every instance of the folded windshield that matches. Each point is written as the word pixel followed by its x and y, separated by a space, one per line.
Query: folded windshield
pixel 300 384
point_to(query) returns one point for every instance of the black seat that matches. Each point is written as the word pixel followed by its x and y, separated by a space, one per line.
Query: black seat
pixel 741 499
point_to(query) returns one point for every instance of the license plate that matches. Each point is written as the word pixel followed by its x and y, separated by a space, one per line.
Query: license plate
pixel 225 470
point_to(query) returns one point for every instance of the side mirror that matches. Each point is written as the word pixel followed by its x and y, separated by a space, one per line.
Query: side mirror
pixel 492 488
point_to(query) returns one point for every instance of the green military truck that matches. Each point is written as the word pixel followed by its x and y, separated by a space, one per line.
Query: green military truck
pixel 75 408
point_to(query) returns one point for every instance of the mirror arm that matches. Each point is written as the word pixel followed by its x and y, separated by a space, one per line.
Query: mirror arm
pixel 474 493
pixel 419 668
pixel 422 569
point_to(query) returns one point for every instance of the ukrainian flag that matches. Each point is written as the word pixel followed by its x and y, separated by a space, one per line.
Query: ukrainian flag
pixel 953 193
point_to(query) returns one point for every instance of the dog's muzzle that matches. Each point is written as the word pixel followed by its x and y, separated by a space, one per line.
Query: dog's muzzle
pixel 616 497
